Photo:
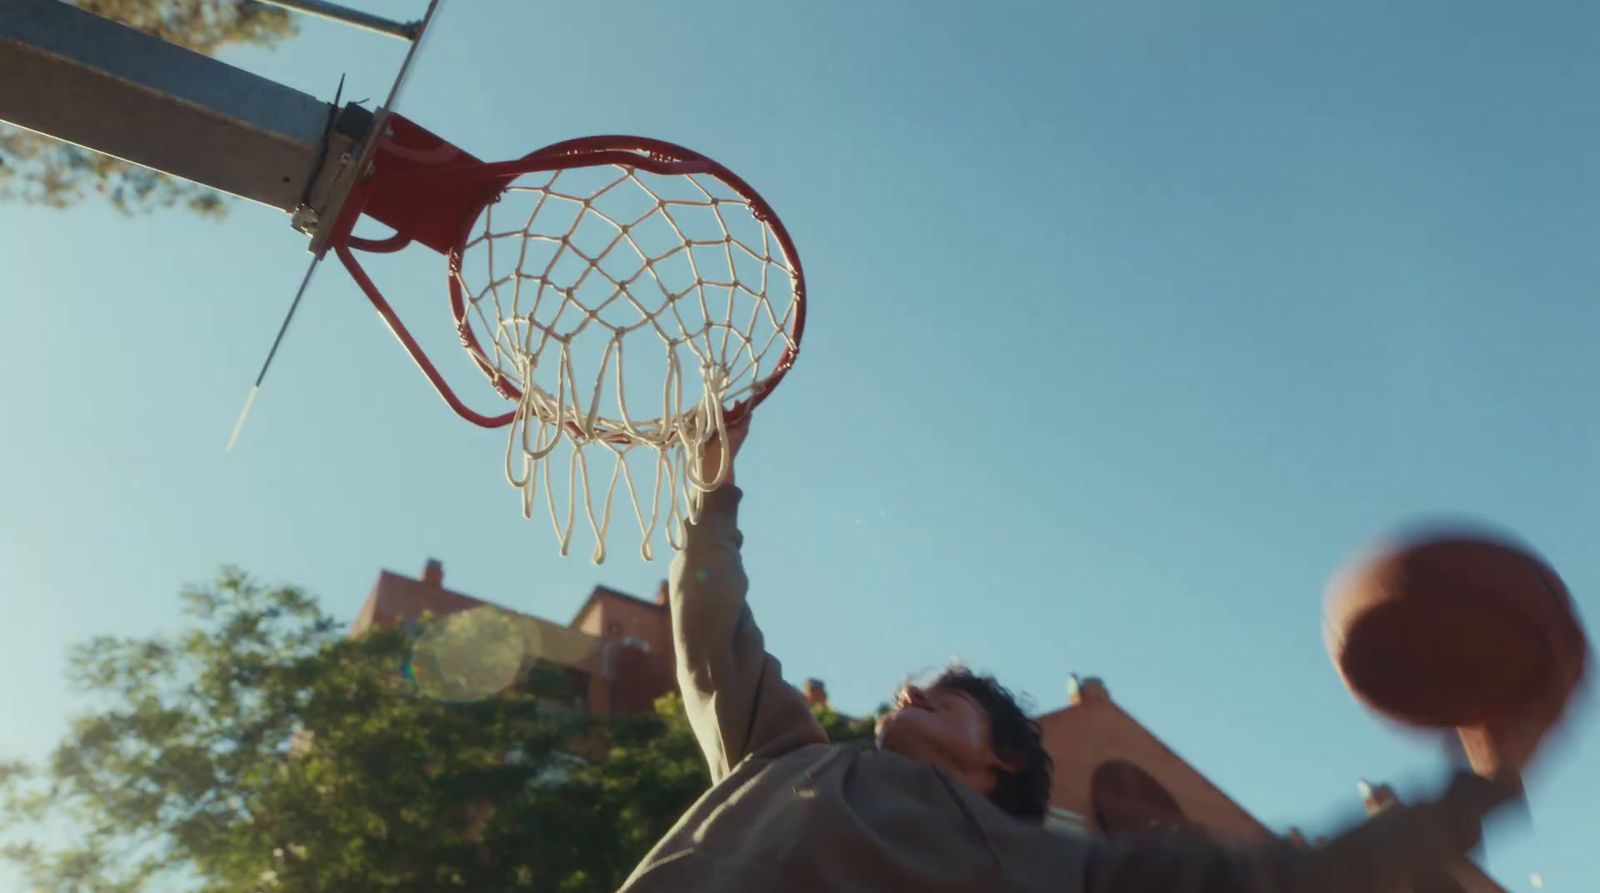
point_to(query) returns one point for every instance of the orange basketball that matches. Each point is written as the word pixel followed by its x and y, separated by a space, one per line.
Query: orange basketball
pixel 1454 629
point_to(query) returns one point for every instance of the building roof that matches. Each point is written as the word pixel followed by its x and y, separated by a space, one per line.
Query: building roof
pixel 599 593
pixel 396 598
pixel 1094 729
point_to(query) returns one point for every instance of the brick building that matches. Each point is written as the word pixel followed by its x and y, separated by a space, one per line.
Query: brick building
pixel 617 650
pixel 1112 775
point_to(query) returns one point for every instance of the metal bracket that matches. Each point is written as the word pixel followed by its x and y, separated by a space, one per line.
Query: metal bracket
pixel 337 173
pixel 353 164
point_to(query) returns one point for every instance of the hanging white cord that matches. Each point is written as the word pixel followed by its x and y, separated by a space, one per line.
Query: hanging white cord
pixel 622 254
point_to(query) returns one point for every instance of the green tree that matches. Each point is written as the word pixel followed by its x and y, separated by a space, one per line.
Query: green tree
pixel 40 170
pixel 262 750
pixel 842 729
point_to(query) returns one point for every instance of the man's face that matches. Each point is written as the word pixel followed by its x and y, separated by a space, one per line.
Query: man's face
pixel 944 728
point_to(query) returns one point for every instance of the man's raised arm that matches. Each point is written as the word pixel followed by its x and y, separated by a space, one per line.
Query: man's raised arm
pixel 737 701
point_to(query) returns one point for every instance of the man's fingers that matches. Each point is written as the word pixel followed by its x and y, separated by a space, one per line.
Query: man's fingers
pixel 711 457
pixel 1509 743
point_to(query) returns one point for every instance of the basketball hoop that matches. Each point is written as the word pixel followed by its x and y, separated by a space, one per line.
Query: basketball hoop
pixel 630 298
pixel 575 274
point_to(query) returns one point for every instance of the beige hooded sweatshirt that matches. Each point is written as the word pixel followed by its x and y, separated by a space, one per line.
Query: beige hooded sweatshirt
pixel 788 812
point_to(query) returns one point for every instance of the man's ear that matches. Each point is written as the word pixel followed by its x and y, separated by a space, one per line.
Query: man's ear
pixel 998 764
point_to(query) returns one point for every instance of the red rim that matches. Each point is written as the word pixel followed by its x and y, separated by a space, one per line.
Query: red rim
pixel 448 175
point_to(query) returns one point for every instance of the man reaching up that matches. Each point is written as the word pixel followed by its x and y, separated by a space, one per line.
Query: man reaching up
pixel 952 796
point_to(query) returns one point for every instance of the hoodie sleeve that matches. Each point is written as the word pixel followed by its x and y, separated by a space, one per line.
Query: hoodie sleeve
pixel 733 690
pixel 1388 853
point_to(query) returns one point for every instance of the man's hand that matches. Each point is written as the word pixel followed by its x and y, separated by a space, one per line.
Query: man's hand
pixel 711 458
pixel 1503 748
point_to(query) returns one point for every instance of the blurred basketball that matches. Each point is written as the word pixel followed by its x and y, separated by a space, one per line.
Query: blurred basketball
pixel 1454 629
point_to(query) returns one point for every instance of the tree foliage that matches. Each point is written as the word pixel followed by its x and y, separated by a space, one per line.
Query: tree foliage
pixel 38 169
pixel 263 750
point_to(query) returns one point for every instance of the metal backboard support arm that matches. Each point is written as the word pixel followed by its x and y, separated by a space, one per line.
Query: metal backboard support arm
pixel 353 17
pixel 100 84
pixel 78 77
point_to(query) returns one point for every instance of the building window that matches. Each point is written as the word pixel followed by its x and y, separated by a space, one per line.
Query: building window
pixel 1128 800
pixel 560 688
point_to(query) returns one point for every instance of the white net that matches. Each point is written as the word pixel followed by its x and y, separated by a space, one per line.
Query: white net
pixel 631 311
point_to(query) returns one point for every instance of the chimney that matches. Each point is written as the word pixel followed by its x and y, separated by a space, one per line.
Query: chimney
pixel 661 594
pixel 1376 797
pixel 1088 689
pixel 815 693
pixel 433 573
pixel 1299 839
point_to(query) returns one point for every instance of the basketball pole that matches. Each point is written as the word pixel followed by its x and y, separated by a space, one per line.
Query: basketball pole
pixel 102 85
pixel 353 17
pixel 97 83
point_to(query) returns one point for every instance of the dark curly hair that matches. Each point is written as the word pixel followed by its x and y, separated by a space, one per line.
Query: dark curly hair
pixel 1024 793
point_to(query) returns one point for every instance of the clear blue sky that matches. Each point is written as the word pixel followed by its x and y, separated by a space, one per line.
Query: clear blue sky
pixel 1130 321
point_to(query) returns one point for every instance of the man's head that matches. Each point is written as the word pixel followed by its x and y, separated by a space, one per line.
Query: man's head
pixel 971 728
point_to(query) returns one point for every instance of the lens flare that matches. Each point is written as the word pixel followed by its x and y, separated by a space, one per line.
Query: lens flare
pixel 471 655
